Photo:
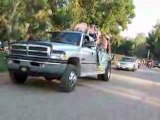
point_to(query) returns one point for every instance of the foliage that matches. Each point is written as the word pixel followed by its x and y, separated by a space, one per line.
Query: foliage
pixel 3 66
pixel 20 18
pixel 140 46
pixel 133 47
pixel 125 47
pixel 153 41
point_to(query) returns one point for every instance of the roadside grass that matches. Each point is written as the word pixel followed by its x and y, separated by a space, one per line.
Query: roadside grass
pixel 3 65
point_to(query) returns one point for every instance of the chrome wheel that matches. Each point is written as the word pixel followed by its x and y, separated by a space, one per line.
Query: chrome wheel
pixel 72 78
pixel 109 73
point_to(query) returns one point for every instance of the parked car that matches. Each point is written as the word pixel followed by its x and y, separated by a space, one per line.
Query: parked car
pixel 0 45
pixel 127 63
pixel 158 64
pixel 66 56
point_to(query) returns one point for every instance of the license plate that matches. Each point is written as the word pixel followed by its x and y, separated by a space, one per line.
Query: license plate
pixel 23 69
pixel 124 67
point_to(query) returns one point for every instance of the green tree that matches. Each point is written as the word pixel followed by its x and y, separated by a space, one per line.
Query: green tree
pixel 8 13
pixel 19 18
pixel 112 16
pixel 153 41
pixel 24 17
pixel 126 47
pixel 140 45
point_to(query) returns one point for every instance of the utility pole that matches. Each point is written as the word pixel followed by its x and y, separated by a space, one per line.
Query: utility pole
pixel 149 51
pixel 148 54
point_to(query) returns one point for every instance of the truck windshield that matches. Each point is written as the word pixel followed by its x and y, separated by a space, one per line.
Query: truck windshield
pixel 66 38
pixel 127 59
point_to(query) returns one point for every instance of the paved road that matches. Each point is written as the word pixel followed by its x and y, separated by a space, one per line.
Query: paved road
pixel 128 96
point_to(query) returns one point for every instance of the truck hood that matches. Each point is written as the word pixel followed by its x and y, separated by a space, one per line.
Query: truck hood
pixel 53 45
pixel 64 47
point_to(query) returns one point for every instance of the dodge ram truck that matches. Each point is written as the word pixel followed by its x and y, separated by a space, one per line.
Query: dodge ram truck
pixel 65 56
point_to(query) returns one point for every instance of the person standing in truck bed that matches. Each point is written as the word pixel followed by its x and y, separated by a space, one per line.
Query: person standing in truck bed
pixel 92 31
pixel 103 51
pixel 81 27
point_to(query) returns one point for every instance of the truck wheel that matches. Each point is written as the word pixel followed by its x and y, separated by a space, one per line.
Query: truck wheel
pixel 134 69
pixel 48 78
pixel 69 79
pixel 17 78
pixel 106 76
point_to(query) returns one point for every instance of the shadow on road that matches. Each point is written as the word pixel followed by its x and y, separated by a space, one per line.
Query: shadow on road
pixel 41 84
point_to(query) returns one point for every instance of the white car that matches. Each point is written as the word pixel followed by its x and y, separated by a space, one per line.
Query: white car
pixel 159 65
pixel 127 63
pixel 0 44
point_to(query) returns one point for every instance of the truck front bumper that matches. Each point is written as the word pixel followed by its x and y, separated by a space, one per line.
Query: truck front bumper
pixel 36 68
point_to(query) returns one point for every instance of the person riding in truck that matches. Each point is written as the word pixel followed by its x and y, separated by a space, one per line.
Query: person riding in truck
pixel 103 50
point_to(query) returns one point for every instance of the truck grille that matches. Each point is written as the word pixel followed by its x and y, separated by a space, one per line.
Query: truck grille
pixel 19 47
pixel 40 54
pixel 30 50
pixel 38 48
pixel 19 52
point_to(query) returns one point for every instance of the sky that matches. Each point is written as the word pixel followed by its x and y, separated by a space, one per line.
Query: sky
pixel 147 14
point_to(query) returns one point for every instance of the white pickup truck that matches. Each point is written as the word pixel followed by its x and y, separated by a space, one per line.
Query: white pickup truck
pixel 65 56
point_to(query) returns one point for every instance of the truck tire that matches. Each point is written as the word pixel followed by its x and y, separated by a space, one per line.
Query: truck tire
pixel 106 76
pixel 49 78
pixel 17 78
pixel 133 69
pixel 69 79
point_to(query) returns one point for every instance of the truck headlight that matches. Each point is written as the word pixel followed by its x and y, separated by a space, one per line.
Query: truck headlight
pixel 58 55
pixel 10 62
pixel 118 64
pixel 131 65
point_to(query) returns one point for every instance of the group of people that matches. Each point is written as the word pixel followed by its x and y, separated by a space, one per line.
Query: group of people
pixel 102 42
pixel 100 38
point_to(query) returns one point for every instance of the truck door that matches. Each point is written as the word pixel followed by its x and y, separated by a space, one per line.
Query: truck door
pixel 88 57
